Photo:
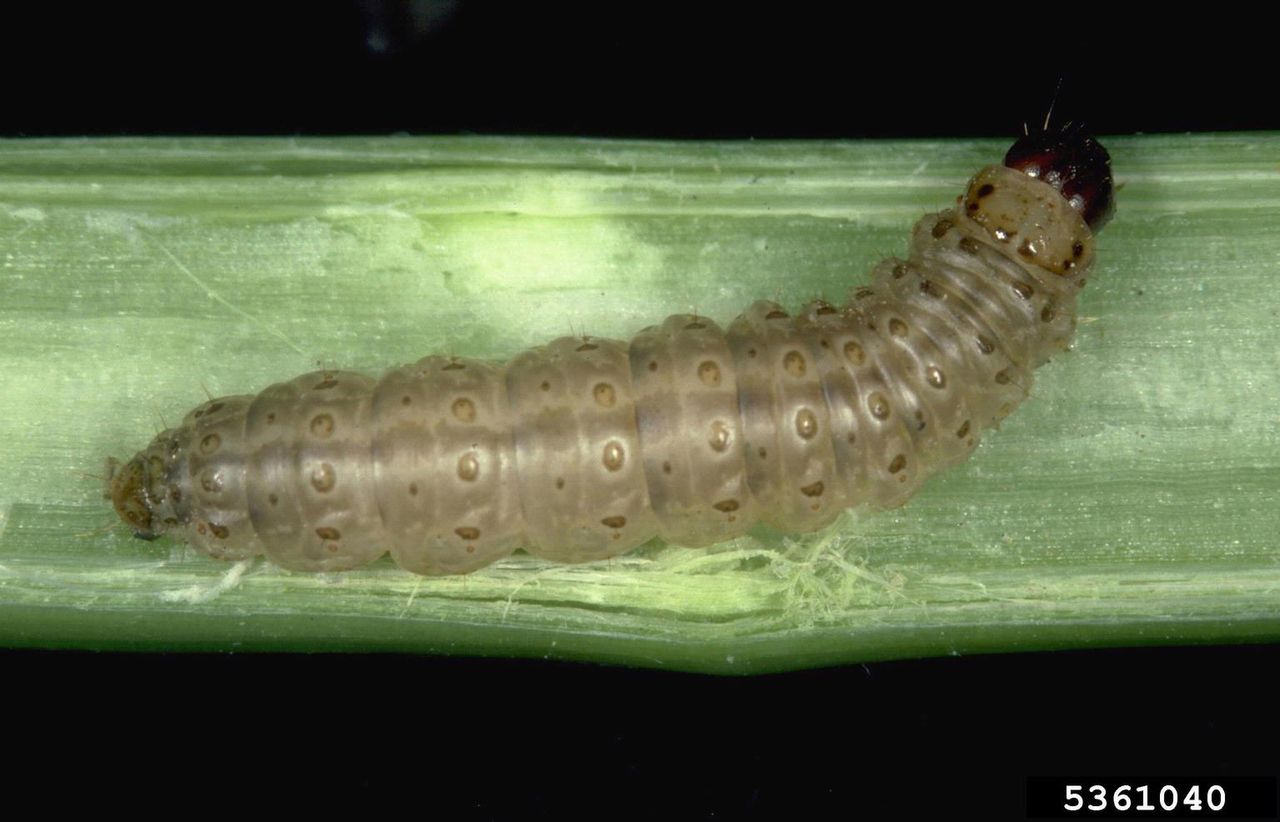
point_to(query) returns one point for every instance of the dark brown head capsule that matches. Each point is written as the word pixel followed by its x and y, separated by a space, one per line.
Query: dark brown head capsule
pixel 1072 162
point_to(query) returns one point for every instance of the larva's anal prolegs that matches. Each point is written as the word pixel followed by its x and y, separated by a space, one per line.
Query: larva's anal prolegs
pixel 584 448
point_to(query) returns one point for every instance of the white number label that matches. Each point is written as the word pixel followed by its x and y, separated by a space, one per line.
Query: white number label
pixel 1123 797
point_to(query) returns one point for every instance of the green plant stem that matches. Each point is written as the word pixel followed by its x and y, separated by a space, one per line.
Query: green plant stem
pixel 1133 500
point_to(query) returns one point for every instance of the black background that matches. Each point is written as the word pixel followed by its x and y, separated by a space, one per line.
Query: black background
pixel 503 738
pixel 666 70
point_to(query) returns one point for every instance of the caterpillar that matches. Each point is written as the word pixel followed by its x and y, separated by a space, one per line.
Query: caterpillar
pixel 586 447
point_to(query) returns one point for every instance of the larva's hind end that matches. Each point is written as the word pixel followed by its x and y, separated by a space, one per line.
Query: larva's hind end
pixel 139 489
pixel 1072 162
pixel 129 494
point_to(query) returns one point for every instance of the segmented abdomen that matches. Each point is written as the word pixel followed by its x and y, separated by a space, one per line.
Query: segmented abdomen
pixel 586 447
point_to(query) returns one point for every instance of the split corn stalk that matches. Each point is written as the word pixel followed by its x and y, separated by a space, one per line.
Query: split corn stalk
pixel 1133 500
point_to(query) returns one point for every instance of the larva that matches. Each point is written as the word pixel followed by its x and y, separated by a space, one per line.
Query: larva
pixel 584 448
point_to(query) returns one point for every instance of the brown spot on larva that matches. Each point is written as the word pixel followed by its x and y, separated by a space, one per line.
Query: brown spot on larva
pixel 653 365
pixel 709 373
pixel 468 467
pixel 777 314
pixel 464 410
pixel 986 190
pixel 863 293
pixel 899 462
pixel 928 288
pixel 1027 249
pixel 209 444
pixel 666 468
pixel 720 436
pixel 468 533
pixel 854 353
pixel 201 529
pixel 763 453
pixel 851 438
pixel 546 385
pixel 899 271
pixel 695 326
pixel 878 405
pixel 935 377
pixel 614 522
pixel 813 489
pixel 413 489
pixel 920 423
pixel 1002 377
pixel 971 206
pixel 327 382
pixel 941 227
pixel 751 352
pixel 323 478
pixel 824 342
pixel 1023 290
pixel 969 245
pixel 321 425
pixel 964 430
pixel 271 418
pixel 328 533
pixel 211 481
pixel 219 531
pixel 559 483
pixel 806 424
pixel 471 549
pixel 273 499
pixel 406 400
pixel 897 327
pixel 614 455
pixel 1077 249
pixel 604 394
pixel 617 536
pixel 793 363
pixel 985 345
pixel 586 346
pixel 453 365
pixel 824 308
pixel 175 493
pixel 1048 313
pixel 726 506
